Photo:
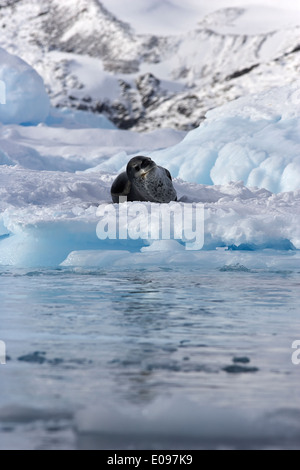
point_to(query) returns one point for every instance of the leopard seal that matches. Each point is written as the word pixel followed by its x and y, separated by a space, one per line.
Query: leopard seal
pixel 143 180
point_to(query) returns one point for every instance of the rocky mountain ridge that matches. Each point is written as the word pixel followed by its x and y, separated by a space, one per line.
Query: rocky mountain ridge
pixel 91 60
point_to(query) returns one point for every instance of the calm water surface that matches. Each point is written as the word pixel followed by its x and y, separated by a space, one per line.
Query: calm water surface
pixel 156 358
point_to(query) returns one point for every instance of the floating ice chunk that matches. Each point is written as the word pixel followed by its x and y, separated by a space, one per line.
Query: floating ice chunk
pixel 163 245
pixel 178 420
pixel 104 258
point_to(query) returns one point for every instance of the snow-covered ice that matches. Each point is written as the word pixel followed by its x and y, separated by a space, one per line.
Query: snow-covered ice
pixel 242 164
pixel 46 216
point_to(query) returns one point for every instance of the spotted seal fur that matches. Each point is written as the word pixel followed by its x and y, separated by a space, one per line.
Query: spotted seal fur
pixel 143 180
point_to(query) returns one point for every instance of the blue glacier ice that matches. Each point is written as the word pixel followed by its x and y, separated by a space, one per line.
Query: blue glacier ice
pixel 27 101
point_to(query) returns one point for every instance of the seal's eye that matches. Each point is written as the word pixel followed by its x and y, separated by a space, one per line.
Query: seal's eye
pixel 136 167
pixel 146 162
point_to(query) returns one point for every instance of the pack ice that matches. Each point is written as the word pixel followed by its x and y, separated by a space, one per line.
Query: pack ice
pixel 242 163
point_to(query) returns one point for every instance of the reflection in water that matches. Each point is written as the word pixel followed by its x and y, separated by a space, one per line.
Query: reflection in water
pixel 139 335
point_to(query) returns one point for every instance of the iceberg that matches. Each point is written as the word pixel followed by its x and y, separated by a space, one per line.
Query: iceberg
pixel 25 97
pixel 51 218
pixel 252 139
pixel 241 165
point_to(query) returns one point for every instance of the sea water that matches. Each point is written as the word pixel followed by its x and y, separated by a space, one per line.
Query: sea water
pixel 145 359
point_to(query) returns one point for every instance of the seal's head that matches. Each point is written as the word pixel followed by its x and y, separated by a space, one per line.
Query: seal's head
pixel 149 182
pixel 139 167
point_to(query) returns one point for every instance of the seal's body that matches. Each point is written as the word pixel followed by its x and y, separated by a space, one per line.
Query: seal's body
pixel 143 180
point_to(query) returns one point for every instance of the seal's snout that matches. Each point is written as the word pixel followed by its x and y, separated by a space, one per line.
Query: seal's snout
pixel 147 166
pixel 140 167
pixel 147 163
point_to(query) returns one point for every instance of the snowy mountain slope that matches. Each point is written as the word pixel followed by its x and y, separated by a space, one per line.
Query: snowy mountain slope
pixel 83 27
pixel 78 26
pixel 91 60
pixel 170 17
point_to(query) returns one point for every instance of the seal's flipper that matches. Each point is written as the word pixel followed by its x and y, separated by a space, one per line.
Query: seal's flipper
pixel 168 174
pixel 121 187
